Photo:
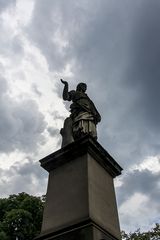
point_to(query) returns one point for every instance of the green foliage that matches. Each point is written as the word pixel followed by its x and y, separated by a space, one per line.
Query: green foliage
pixel 3 236
pixel 153 234
pixel 20 216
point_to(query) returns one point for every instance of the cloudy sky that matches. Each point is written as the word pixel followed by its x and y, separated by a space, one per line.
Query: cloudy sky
pixel 113 46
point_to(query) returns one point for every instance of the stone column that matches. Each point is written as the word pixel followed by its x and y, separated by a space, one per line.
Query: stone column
pixel 80 201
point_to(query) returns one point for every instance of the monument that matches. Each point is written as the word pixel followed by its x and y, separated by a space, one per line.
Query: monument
pixel 84 115
pixel 80 200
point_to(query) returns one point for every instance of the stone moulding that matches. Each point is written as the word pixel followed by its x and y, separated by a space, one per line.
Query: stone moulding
pixel 78 148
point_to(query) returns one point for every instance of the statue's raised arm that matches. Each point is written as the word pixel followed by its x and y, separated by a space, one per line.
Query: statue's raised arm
pixel 65 90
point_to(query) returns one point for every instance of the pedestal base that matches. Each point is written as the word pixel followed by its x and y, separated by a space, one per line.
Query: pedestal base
pixel 80 200
pixel 86 230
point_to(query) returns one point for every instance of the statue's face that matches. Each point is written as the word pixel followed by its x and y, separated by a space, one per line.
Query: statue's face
pixel 82 87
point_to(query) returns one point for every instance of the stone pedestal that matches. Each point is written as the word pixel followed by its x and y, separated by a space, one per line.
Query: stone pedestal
pixel 80 201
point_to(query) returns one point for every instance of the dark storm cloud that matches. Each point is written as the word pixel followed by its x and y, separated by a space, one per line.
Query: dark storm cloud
pixel 28 177
pixel 138 200
pixel 97 34
pixel 46 21
pixel 115 49
pixel 144 182
pixel 21 123
pixel 144 67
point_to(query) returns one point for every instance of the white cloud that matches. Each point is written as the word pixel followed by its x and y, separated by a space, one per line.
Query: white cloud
pixel 23 177
pixel 134 213
pixel 151 163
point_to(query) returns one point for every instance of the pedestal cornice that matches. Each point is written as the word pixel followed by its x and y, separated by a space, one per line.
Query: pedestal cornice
pixel 78 148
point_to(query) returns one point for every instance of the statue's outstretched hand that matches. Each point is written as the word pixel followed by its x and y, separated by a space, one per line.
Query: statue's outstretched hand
pixel 64 82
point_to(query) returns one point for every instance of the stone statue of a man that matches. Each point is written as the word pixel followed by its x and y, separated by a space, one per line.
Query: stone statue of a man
pixel 84 115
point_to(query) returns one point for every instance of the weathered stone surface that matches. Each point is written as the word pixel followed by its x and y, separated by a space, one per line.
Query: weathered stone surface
pixel 81 191
pixel 79 148
pixel 102 201
pixel 67 195
pixel 83 231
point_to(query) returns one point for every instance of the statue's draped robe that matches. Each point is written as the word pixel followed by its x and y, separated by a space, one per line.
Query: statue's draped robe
pixel 83 118
pixel 84 115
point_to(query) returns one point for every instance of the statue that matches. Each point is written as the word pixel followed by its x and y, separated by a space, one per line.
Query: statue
pixel 84 115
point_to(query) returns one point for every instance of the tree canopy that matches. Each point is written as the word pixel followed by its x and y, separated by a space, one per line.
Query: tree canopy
pixel 152 234
pixel 20 216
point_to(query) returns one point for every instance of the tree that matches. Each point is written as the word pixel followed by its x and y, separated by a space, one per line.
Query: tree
pixel 20 216
pixel 153 234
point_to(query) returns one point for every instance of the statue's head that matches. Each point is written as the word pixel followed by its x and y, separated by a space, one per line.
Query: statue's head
pixel 82 87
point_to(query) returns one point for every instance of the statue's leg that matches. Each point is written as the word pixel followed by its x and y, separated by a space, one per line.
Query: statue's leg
pixel 66 132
